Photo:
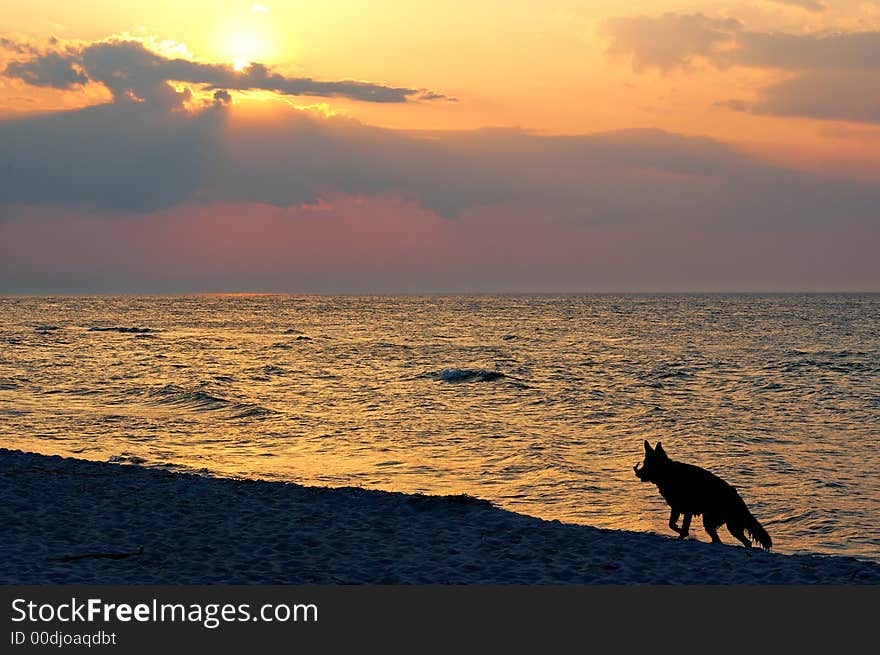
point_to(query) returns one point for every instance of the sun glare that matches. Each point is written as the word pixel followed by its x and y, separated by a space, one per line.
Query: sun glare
pixel 243 48
pixel 247 38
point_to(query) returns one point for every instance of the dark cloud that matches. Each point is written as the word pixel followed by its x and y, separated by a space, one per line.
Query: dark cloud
pixel 51 69
pixel 222 98
pixel 829 76
pixel 433 95
pixel 137 158
pixel 837 96
pixel 20 46
pixel 133 73
pixel 797 52
pixel 116 157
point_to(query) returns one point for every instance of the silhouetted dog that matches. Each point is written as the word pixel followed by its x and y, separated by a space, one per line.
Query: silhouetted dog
pixel 691 491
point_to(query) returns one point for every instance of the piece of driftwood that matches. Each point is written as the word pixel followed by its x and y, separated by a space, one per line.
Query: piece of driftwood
pixel 70 558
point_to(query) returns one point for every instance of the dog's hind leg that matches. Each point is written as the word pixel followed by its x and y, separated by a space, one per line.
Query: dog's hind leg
pixel 711 529
pixel 685 526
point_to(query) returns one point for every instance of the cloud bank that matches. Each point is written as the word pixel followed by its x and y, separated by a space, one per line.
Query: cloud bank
pixel 129 196
pixel 136 158
pixel 824 76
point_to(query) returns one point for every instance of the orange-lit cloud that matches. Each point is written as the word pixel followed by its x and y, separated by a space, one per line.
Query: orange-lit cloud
pixel 670 41
pixel 824 76
pixel 680 40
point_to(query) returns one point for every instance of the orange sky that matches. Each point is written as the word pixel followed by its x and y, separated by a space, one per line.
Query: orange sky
pixel 541 66
pixel 710 135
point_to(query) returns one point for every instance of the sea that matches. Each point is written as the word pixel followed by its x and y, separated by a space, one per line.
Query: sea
pixel 538 403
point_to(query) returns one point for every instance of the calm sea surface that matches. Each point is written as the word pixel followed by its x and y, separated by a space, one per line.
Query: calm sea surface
pixel 539 403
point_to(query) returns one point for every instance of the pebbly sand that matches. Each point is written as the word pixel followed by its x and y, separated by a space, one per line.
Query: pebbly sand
pixel 201 530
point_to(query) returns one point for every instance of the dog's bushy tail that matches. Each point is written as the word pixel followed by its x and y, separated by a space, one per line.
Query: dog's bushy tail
pixel 757 532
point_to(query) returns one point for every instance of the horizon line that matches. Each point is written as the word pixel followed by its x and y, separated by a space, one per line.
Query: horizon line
pixel 47 294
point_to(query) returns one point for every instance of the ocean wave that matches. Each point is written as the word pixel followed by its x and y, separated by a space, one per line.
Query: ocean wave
pixel 246 410
pixel 669 371
pixel 74 391
pixel 46 328
pixel 121 329
pixel 465 375
pixel 271 369
pixel 844 361
pixel 126 458
pixel 288 345
pixel 392 346
pixel 173 395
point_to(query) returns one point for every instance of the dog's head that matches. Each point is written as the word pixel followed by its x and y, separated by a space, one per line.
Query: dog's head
pixel 655 461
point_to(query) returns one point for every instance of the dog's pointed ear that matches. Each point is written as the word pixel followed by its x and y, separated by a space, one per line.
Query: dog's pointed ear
pixel 648 449
pixel 659 450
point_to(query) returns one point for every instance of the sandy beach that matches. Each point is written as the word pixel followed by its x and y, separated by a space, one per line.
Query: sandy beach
pixel 59 512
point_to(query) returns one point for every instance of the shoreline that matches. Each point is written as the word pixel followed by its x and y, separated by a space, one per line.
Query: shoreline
pixel 73 521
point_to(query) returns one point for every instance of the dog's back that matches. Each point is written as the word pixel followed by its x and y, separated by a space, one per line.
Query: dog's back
pixel 694 490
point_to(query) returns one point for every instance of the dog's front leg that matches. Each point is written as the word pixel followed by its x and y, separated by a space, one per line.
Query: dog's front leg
pixel 673 520
pixel 685 526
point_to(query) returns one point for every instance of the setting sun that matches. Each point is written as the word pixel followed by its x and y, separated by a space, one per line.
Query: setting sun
pixel 243 48
pixel 243 39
